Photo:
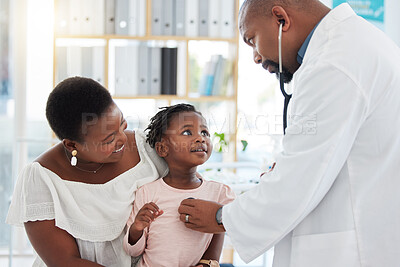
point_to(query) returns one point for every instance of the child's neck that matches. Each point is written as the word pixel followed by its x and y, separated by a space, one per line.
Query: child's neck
pixel 183 179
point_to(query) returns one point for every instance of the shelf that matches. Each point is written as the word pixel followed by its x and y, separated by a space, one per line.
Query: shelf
pixel 148 38
pixel 175 97
pixel 205 67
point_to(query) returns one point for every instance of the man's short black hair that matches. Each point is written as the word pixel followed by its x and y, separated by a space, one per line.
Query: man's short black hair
pixel 73 102
pixel 159 123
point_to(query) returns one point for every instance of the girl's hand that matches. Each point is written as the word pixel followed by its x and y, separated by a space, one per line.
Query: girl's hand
pixel 148 213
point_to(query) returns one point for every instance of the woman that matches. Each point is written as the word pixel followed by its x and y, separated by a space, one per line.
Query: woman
pixel 74 199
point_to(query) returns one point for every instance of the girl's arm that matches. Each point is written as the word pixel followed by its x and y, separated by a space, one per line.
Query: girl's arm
pixel 137 223
pixel 55 246
pixel 214 250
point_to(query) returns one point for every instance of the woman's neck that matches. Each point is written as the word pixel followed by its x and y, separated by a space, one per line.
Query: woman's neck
pixel 183 178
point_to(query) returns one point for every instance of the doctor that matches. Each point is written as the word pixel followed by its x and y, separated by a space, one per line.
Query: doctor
pixel 333 198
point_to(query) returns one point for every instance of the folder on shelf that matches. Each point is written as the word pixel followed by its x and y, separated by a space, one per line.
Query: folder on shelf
pixel 62 63
pixel 92 17
pixel 98 66
pixel 192 18
pixel 227 25
pixel 133 18
pixel 168 17
pixel 207 80
pixel 74 55
pixel 97 12
pixel 109 22
pixel 75 17
pixel 155 70
pixel 156 17
pixel 92 63
pixel 126 72
pixel 214 17
pixel 143 79
pixel 203 17
pixel 180 17
pixel 169 57
pixel 62 17
pixel 142 15
pixel 219 77
pixel 87 61
pixel 122 17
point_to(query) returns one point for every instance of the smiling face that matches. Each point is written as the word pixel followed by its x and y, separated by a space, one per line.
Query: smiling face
pixel 104 137
pixel 186 143
pixel 261 33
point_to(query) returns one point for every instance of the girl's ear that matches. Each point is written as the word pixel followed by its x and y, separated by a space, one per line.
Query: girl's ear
pixel 162 148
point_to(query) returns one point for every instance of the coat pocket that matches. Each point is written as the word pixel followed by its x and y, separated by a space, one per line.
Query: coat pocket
pixel 337 249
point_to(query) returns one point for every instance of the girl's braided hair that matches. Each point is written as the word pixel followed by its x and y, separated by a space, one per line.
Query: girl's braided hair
pixel 159 123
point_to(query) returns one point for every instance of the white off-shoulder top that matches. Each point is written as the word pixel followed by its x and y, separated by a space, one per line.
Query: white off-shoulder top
pixel 95 214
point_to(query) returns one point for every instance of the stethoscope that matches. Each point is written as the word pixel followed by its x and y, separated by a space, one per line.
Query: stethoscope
pixel 281 84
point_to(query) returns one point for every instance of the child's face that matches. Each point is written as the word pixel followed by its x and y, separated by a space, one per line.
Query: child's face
pixel 188 140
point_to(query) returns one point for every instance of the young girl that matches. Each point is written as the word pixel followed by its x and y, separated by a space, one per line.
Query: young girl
pixel 179 134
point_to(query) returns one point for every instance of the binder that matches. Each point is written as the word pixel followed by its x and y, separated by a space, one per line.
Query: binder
pixel 97 11
pixel 180 17
pixel 192 17
pixel 168 17
pixel 133 18
pixel 126 75
pixel 227 27
pixel 98 66
pixel 208 77
pixel 109 27
pixel 156 22
pixel 214 8
pixel 203 17
pixel 92 17
pixel 87 61
pixel 62 17
pixel 74 66
pixel 75 17
pixel 155 70
pixel 169 70
pixel 204 78
pixel 142 18
pixel 121 17
pixel 143 61
pixel 62 63
pixel 218 76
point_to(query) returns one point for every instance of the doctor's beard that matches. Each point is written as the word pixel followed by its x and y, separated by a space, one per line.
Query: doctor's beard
pixel 287 76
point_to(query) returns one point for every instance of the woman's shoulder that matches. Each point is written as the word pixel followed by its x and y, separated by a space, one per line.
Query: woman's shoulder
pixel 51 156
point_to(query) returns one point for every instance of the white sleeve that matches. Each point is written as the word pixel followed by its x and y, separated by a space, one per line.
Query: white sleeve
pixel 32 199
pixel 327 112
pixel 157 164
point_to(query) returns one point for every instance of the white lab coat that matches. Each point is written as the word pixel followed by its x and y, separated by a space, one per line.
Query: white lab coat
pixel 333 198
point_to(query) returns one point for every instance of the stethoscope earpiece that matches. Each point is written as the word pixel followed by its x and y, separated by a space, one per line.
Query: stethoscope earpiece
pixel 281 83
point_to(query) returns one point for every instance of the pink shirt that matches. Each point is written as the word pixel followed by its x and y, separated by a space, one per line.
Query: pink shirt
pixel 167 242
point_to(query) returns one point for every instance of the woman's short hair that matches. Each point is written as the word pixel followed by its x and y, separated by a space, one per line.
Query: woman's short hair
pixel 74 102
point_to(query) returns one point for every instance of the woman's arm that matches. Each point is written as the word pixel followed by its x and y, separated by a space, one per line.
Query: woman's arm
pixel 55 246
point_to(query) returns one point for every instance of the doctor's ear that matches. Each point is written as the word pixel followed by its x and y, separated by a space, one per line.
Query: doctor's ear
pixel 162 148
pixel 281 17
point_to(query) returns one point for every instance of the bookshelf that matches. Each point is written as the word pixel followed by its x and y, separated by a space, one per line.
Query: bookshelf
pixel 100 39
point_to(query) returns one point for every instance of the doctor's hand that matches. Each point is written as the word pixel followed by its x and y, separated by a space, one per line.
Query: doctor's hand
pixel 199 215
